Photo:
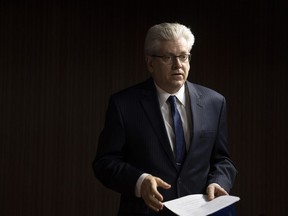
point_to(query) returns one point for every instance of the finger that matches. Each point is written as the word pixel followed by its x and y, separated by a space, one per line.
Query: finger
pixel 150 185
pixel 210 192
pixel 150 194
pixel 155 203
pixel 215 190
pixel 220 192
pixel 152 201
pixel 148 191
pixel 162 184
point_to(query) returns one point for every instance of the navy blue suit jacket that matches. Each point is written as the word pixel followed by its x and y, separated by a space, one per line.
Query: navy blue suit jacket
pixel 134 140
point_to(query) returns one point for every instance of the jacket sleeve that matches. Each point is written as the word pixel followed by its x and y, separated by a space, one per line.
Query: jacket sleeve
pixel 109 165
pixel 222 169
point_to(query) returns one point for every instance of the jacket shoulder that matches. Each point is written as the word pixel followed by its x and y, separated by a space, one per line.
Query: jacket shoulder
pixel 135 91
pixel 203 91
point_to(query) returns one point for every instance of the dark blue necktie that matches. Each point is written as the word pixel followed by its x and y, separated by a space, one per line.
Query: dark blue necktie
pixel 180 146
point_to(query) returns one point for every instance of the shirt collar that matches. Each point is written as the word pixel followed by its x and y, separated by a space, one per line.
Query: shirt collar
pixel 163 95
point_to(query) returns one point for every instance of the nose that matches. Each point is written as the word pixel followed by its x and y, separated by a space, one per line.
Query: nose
pixel 176 62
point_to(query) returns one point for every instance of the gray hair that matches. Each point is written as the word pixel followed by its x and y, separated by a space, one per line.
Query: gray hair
pixel 166 32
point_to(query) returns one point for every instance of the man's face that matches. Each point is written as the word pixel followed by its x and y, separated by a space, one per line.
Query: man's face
pixel 171 74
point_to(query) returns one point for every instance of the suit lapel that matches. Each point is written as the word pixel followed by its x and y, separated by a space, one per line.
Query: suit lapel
pixel 151 107
pixel 197 109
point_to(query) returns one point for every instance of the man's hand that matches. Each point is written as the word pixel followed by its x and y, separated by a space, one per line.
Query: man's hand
pixel 215 190
pixel 150 194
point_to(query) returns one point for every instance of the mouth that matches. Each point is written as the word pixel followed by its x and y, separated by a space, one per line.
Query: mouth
pixel 178 75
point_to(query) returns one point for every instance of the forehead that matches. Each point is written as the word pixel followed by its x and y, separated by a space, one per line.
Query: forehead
pixel 174 47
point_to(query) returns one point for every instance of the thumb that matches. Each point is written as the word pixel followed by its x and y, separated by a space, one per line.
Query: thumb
pixel 162 184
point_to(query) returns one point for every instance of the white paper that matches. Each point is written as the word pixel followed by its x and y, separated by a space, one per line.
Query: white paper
pixel 197 204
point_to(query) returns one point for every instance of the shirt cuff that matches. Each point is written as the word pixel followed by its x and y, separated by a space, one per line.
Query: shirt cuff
pixel 138 184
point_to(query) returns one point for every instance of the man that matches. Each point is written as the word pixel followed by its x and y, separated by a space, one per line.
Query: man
pixel 143 154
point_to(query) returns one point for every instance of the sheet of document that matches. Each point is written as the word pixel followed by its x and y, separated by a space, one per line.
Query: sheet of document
pixel 197 204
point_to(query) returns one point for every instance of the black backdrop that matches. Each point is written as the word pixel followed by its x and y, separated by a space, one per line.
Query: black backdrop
pixel 59 62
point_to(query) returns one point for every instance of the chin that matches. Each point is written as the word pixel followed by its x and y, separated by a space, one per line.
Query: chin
pixel 175 87
pixel 178 83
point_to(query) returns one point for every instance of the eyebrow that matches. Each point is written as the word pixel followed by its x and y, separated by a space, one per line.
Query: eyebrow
pixel 181 53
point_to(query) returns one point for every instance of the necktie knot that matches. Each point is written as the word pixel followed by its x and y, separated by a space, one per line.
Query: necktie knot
pixel 172 101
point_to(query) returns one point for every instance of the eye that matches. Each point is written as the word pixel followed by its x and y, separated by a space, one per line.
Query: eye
pixel 183 57
pixel 166 58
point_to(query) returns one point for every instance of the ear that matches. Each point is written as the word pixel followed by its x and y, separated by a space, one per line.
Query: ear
pixel 149 63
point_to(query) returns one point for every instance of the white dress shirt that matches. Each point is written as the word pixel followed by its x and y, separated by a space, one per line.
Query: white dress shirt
pixel 183 106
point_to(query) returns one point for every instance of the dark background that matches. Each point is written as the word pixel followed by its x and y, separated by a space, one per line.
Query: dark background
pixel 59 62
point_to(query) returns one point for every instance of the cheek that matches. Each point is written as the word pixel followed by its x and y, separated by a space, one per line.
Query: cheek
pixel 161 76
pixel 187 70
pixel 161 73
